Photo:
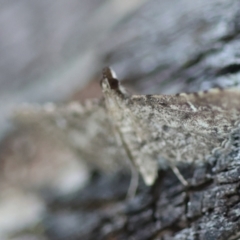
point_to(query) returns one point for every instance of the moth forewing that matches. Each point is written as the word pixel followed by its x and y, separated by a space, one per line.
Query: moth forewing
pixel 84 128
pixel 173 128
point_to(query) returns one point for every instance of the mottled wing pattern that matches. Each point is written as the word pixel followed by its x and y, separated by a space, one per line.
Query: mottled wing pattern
pixel 188 126
pixel 83 127
pixel 171 128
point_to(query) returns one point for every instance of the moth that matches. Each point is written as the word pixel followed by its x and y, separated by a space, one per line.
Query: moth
pixel 151 130
pixel 167 130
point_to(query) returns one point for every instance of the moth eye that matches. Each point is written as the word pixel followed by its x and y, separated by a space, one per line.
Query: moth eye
pixel 113 84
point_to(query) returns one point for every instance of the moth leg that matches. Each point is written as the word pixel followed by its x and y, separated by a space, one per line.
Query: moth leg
pixel 179 175
pixel 132 189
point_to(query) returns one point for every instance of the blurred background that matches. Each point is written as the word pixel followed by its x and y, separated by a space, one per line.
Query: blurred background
pixel 48 50
pixel 54 52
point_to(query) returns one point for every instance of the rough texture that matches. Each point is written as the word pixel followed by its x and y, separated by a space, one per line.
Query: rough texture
pixel 209 209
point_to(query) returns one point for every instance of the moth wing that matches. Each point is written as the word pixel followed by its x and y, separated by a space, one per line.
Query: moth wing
pixel 84 128
pixel 188 125
pixel 210 114
pixel 133 137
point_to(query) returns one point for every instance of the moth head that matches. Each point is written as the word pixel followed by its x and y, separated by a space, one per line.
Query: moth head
pixel 110 84
pixel 109 80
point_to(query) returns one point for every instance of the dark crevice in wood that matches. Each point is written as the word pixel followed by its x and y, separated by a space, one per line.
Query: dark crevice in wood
pixel 230 69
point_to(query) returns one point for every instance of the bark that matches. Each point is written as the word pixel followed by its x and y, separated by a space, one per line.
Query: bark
pixel 208 209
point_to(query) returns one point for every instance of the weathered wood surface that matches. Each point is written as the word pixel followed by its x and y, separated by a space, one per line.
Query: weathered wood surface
pixel 209 209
